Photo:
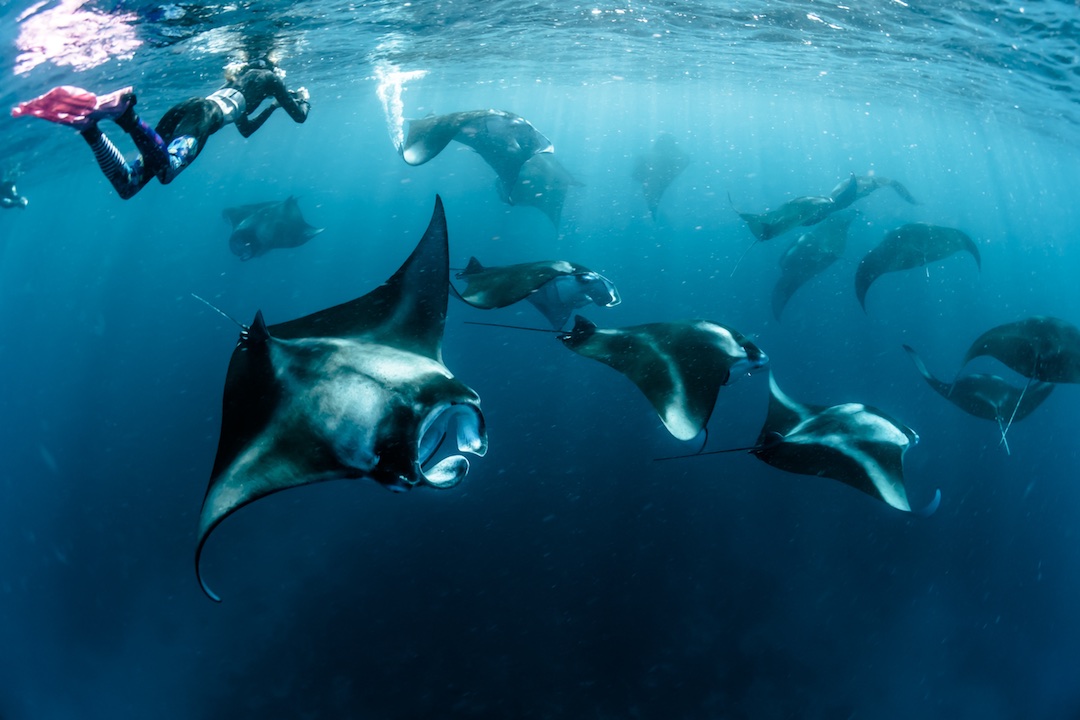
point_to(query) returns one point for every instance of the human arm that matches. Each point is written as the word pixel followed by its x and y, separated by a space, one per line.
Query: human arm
pixel 294 102
pixel 247 125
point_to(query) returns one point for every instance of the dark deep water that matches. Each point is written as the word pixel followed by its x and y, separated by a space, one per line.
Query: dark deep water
pixel 569 575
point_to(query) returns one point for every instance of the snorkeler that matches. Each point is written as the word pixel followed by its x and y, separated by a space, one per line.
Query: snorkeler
pixel 9 196
pixel 181 132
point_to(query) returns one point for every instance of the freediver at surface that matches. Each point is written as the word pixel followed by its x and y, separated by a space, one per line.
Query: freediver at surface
pixel 182 131
pixel 9 195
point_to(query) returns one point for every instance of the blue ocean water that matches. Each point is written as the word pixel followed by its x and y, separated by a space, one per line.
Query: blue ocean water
pixel 569 575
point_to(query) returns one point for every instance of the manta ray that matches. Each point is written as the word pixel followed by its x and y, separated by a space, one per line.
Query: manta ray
pixel 1040 348
pixel 358 390
pixel 658 168
pixel 802 211
pixel 805 211
pixel 854 443
pixel 554 287
pixel 679 366
pixel 504 140
pixel 864 185
pixel 262 227
pixel 543 184
pixel 809 256
pixel 910 246
pixel 986 396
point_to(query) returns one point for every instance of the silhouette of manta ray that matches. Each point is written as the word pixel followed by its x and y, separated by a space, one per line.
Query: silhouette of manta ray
pixel 554 287
pixel 658 168
pixel 809 256
pixel 261 227
pixel 1040 347
pixel 504 140
pixel 909 246
pixel 987 396
pixel 356 390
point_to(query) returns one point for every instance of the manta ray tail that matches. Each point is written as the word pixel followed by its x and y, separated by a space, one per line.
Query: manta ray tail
pixel 739 261
pixel 1013 416
pixel 219 311
pixel 702 453
pixel 1003 441
pixel 515 327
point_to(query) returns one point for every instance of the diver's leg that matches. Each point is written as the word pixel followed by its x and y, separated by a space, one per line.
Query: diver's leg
pixel 127 179
pixel 155 155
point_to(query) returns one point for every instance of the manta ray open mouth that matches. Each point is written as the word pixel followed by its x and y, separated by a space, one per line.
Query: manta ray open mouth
pixel 471 437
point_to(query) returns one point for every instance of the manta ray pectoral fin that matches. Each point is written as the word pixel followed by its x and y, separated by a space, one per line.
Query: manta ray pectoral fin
pixel 556 313
pixel 845 193
pixel 918 361
pixel 931 507
pixel 758 228
pixel 264 467
pixel 428 136
pixel 407 311
pixel 900 190
pixel 236 215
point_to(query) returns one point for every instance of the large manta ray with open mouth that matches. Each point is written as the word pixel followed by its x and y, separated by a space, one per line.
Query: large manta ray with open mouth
pixel 504 140
pixel 357 390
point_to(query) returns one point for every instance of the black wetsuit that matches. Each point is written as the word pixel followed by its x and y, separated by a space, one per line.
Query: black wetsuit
pixel 9 196
pixel 182 132
pixel 201 117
